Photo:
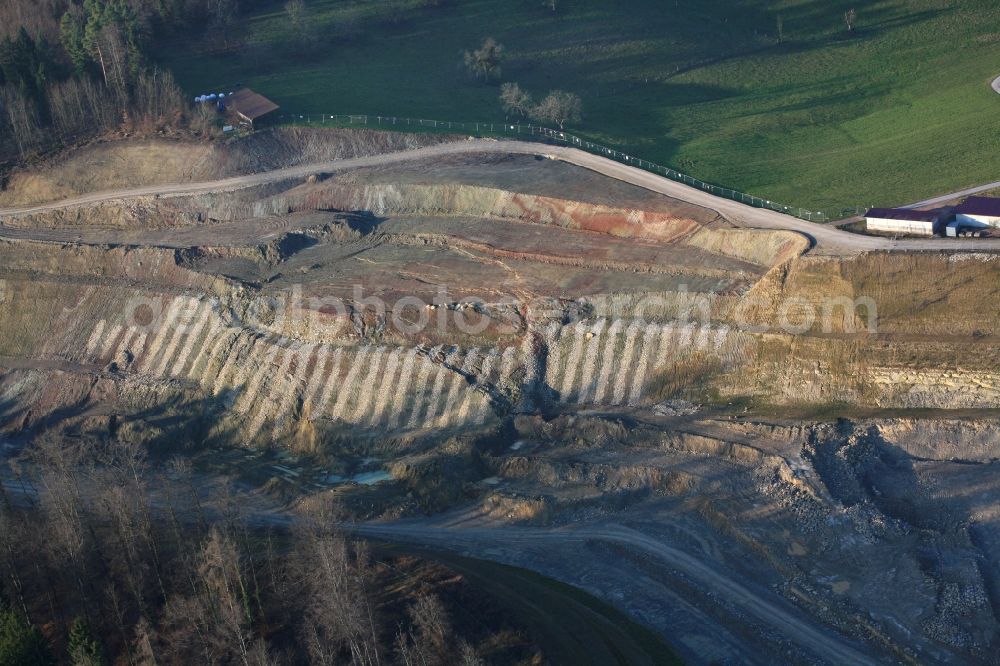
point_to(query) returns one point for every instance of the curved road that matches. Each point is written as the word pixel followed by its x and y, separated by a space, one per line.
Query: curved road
pixel 825 645
pixel 825 238
pixel 764 608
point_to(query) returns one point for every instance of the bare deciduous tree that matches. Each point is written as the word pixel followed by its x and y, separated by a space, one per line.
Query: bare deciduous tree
pixel 154 587
pixel 433 628
pixel 143 651
pixel 431 640
pixel 222 14
pixel 10 533
pixel 21 118
pixel 486 60
pixel 296 11
pixel 214 623
pixel 221 572
pixel 303 34
pixel 338 610
pixel 60 467
pixel 514 100
pixel 468 656
pixel 850 16
pixel 559 107
pixel 78 106
pixel 157 101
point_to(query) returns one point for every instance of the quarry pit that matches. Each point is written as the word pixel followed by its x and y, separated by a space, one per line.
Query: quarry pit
pixel 779 454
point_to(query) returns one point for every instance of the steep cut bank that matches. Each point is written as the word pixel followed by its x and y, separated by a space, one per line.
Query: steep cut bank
pixel 623 298
pixel 280 362
pixel 598 385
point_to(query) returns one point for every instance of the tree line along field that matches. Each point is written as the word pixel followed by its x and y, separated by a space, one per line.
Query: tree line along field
pixel 894 111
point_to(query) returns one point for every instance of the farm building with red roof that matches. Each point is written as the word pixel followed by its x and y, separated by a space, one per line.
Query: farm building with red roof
pixel 249 105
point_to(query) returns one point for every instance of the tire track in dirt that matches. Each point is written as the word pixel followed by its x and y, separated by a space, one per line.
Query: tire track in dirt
pixel 827 238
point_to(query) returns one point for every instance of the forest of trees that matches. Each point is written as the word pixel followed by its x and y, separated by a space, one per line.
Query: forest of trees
pixel 104 561
pixel 70 69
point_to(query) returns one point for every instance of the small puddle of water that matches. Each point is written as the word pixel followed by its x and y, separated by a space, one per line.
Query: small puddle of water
pixel 363 478
pixel 371 478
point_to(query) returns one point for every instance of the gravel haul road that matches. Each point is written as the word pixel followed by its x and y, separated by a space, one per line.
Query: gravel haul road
pixel 825 239
pixel 761 607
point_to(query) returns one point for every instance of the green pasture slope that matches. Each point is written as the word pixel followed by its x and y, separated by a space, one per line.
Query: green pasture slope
pixel 898 111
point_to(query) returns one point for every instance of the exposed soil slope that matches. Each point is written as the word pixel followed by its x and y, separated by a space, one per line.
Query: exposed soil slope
pixel 129 163
pixel 573 352
pixel 830 239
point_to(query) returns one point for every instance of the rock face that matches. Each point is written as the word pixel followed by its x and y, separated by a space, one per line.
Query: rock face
pixel 540 346
pixel 222 295
pixel 273 370
pixel 944 439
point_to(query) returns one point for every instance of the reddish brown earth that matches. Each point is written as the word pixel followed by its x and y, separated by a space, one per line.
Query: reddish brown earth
pixel 635 421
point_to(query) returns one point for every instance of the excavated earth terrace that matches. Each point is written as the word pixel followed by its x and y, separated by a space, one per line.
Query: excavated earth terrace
pixel 762 454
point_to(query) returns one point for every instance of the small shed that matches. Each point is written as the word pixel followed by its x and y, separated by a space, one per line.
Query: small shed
pixel 979 212
pixel 904 221
pixel 249 105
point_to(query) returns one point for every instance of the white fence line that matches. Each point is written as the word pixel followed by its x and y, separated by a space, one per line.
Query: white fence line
pixel 537 133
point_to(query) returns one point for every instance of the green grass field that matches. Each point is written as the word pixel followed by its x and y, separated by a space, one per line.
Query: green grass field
pixel 896 112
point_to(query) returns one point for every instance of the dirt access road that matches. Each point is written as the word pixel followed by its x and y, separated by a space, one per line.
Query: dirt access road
pixel 824 239
pixel 465 535
pixel 760 607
